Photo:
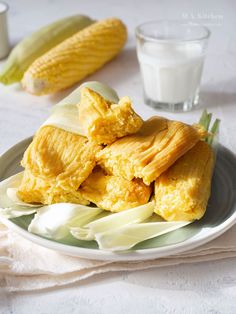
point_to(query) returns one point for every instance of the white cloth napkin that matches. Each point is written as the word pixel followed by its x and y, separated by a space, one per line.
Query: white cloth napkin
pixel 26 266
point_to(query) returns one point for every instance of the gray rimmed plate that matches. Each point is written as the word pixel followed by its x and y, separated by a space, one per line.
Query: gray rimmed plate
pixel 219 217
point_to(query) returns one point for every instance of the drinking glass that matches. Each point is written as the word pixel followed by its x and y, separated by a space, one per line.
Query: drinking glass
pixel 171 56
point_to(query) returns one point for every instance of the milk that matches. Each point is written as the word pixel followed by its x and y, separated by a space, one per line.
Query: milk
pixel 171 72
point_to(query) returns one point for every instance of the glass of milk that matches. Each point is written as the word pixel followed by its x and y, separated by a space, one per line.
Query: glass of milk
pixel 171 56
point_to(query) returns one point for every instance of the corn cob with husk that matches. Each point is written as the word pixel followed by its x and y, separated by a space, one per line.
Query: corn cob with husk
pixel 38 43
pixel 182 192
pixel 76 57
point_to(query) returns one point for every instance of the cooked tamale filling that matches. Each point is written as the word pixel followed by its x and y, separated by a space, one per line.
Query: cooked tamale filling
pixel 149 152
pixel 114 193
pixel 182 192
pixel 65 157
pixel 34 189
pixel 103 121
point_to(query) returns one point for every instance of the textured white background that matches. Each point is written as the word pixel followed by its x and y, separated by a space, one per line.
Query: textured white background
pixel 196 288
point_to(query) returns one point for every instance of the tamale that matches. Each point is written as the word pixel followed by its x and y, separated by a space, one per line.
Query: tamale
pixel 182 192
pixel 44 191
pixel 151 151
pixel 102 121
pixel 113 193
pixel 65 157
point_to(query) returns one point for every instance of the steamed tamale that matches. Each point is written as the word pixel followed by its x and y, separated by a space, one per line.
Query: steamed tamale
pixel 149 152
pixel 182 192
pixel 65 157
pixel 45 191
pixel 114 193
pixel 103 121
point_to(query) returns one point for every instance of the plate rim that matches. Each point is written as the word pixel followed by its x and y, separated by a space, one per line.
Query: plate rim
pixel 135 255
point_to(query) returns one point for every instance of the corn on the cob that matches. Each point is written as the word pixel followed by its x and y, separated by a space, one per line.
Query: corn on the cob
pixel 76 57
pixel 182 192
pixel 149 152
pixel 102 121
pixel 34 189
pixel 34 46
pixel 62 156
pixel 113 193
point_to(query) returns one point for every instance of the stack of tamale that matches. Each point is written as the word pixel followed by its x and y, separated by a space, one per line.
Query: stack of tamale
pixel 121 162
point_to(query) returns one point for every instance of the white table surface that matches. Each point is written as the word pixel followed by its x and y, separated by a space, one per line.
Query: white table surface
pixel 194 288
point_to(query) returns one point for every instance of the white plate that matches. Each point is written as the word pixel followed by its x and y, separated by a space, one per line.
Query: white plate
pixel 220 216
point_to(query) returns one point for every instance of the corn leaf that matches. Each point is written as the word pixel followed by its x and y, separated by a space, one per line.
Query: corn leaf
pixel 54 221
pixel 128 236
pixel 114 221
pixel 205 121
pixel 66 118
pixel 214 133
pixel 104 90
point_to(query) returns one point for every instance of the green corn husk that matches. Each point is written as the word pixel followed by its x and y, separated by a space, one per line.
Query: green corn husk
pixel 214 133
pixel 38 43
pixel 205 121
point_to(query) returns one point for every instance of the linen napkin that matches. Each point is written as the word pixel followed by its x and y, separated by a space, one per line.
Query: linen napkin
pixel 25 266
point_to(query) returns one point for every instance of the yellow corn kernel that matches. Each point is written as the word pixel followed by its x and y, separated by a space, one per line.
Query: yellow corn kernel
pixel 76 57
pixel 182 192
pixel 102 121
